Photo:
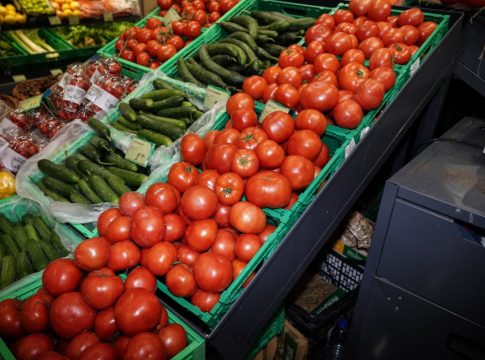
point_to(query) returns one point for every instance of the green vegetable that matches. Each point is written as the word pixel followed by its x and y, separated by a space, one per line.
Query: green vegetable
pixel 60 172
pixel 8 273
pixel 103 189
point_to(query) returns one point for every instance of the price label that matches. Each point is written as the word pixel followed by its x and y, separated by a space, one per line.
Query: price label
pixel 19 78
pixel 108 17
pixel 31 103
pixel 55 72
pixel 55 20
pixel 73 20
pixel 171 16
pixel 349 148
pixel 415 66
pixel 272 106
pixel 215 95
pixel 139 151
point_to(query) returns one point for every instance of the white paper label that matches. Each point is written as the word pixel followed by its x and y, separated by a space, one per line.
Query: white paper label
pixel 95 77
pixel 64 80
pixel 101 98
pixel 349 148
pixel 74 94
pixel 272 106
pixel 171 16
pixel 415 66
pixel 10 159
pixel 215 95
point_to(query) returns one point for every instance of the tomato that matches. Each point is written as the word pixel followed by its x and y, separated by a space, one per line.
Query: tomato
pixel 250 138
pixel 101 292
pixel 148 227
pixel 192 149
pixel 123 255
pixel 34 314
pixel 152 23
pixel 80 343
pixel 141 277
pixel 163 196
pixel 266 233
pixel 353 55
pixel 254 86
pixel 393 21
pixel 70 315
pixel 359 20
pixel 226 5
pixel 143 59
pixel 165 52
pixel 214 16
pixel 400 53
pixel 179 27
pixel 291 58
pixel 192 30
pixel 381 58
pixel 347 28
pixel 33 346
pixel 180 281
pixel 160 257
pixel 323 157
pixel 119 45
pixel 338 43
pixel 245 163
pixel 307 72
pixel 237 267
pixel 311 119
pixel 61 276
pixel 144 35
pixel 326 19
pixel 106 218
pixel 425 30
pixel 383 27
pixel 105 324
pixel 238 101
pixel 99 351
pixel 379 10
pixel 318 95
pixel 354 41
pixel 130 202
pixel 201 234
pixel 228 136
pixel 289 75
pixel 341 16
pixel 313 49
pixel 224 244
pixel 370 45
pixel 344 95
pixel 186 255
pixel 141 49
pixel 413 16
pixel 270 154
pixel 10 325
pixel 204 300
pixel 207 178
pixel 413 49
pixel 229 188
pixel 174 339
pixel 348 114
pixel 182 175
pixel 317 32
pixel 177 42
pixel 411 34
pixel 267 189
pixel 326 62
pixel 366 30
pixel 92 254
pixel 119 229
pixel 52 355
pixel 352 75
pixel 392 36
pixel 152 47
pixel 200 16
pixel 298 170
pixel 121 344
pixel 219 156
pixel 270 74
pixel 199 202
pixel 270 92
pixel 165 4
pixel 287 95
pixel 385 76
pixel 137 310
pixel 105 271
pixel 174 227
pixel 306 143
pixel 242 119
pixel 359 7
pixel 278 125
pixel 247 245
pixel 370 94
pixel 145 345
pixel 212 272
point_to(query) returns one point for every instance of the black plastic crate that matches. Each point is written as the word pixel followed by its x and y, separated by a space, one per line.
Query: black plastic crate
pixel 342 272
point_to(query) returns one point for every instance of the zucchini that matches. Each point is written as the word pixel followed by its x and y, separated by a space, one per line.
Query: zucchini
pixel 157 95
pixel 227 49
pixel 172 101
pixel 51 193
pixel 101 144
pixel 121 127
pixel 89 193
pixel 58 186
pixel 10 245
pixel 245 38
pixel 232 27
pixel 155 137
pixel 100 128
pixel 279 25
pixel 173 132
pixel 6 226
pixel 24 266
pixel 224 60
pixel 60 172
pixel 118 161
pixel 130 178
pixel 206 76
pixel 118 185
pixel 92 153
pixel 103 189
pixel 301 23
pixel 30 231
pixel 88 167
pixel 179 112
pixel 264 55
pixel 38 258
pixel 248 22
pixel 49 250
pixel 162 84
pixel 127 112
pixel 185 73
pixel 130 125
pixel 79 199
pixel 142 104
pixel 228 76
pixel 8 274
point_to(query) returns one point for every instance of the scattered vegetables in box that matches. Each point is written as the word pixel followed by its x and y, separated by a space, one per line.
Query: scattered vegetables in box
pixel 32 43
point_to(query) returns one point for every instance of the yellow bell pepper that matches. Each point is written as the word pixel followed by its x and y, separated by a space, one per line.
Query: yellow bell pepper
pixel 7 184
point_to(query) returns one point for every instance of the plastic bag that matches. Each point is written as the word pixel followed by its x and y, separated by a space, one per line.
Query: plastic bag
pixel 122 7
pixel 61 211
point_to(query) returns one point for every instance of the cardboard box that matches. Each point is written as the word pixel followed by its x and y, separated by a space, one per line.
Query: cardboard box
pixel 295 345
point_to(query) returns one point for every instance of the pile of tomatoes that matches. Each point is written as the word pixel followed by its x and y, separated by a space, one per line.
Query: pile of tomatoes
pixel 85 311
pixel 205 12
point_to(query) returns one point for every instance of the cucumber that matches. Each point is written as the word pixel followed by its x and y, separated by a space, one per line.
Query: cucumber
pixel 6 226
pixel 72 163
pixel 121 127
pixel 118 185
pixel 130 178
pixel 88 167
pixel 248 22
pixel 245 38
pixel 264 55
pixel 263 40
pixel 127 112
pixel 185 73
pixel 301 23
pixel 91 153
pixel 289 38
pixel 37 257
pixel 142 104
pixel 24 266
pixel 100 128
pixel 89 193
pixel 266 17
pixel 58 186
pixel 252 58
pixel 162 84
pixel 155 137
pixel 206 76
pixel 79 199
pixel 49 250
pixel 179 112
pixel 224 60
pixel 174 132
pixel 3 251
pixel 278 25
pixel 50 193
pixel 9 245
pixel 8 274
pixel 118 161
pixel 58 171
pixel 228 76
pixel 274 49
pixel 157 95
pixel 28 219
pixel 30 232
pixel 103 189
pixel 231 26
pixel 268 33
pixel 44 231
pixel 57 244
pixel 227 49
pixel 101 144
pixel 170 120
pixel 172 101
pixel 130 125
pixel 20 236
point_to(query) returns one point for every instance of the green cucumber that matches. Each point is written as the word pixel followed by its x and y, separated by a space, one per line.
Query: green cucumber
pixel 268 33
pixel 278 25
pixel 301 23
pixel 157 138
pixel 9 245
pixel 227 49
pixel 289 38
pixel 100 128
pixel 8 274
pixel 24 266
pixel 231 26
pixel 118 185
pixel 267 17
pixel 118 161
pixel 73 161
pixel 248 22
pixel 142 104
pixel 121 127
pixel 172 101
pixel 224 60
pixel 206 76
pixel 179 112
pixel 228 76
pixel 103 189
pixel 88 167
pixel 42 228
pixel 186 74
pixel 20 236
pixel 264 55
pixel 60 172
pixel 169 120
pixel 54 195
pixel 38 258
pixel 3 251
pixel 6 226
pixel 58 186
pixel 91 153
pixel 30 231
pixel 49 251
pixel 253 60
pixel 174 132
pixel 101 144
pixel 130 125
pixel 128 113
pixel 77 198
pixel 246 39
pixel 162 84
pixel 130 178
pixel 89 193
pixel 274 49
pixel 157 95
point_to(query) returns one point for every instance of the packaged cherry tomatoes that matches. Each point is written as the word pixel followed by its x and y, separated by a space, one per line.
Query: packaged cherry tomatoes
pixel 57 91
pixel 74 92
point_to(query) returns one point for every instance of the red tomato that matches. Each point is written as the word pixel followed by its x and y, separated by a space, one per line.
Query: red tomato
pixel 214 16
pixel 92 254
pixel 411 34
pixel 425 30
pixel 311 119
pixel 247 218
pixel 174 339
pixel 298 170
pixel 393 20
pixel 326 76
pixel 366 30
pixel 80 343
pixel 180 281
pixel 222 215
pixel 245 163
pixel 347 28
pixel 244 118
pixel 341 16
pixel 204 300
pixel 278 126
pixel 348 114
pixel 247 245
pixel 268 230
pixel 289 75
pixel 136 311
pixel 359 7
pixel 383 27
pixel 385 76
pixel 201 234
pixel 130 202
pixel 271 74
pixel 70 315
pixel 165 52
pixel 267 189
pixel 413 16
pixel 290 58
pixel 186 255
pixel 33 346
pixel 163 196
pixel 270 154
pixel 143 59
pixel 413 49
pixel 326 62
pixel 381 58
pixel 212 272
pixel 307 72
pixel 101 292
pixel 370 45
pixel 192 29
pixel 305 143
pixel 119 229
pixel 52 355
pixel 379 10
pixel 174 227
pixel 193 149
pixel 144 36
pixel 34 314
pixel 141 277
pixel 392 36
pixel 401 53
pixel 165 4
pixel 224 244
pixel 99 351
pixel 148 227
pixel 182 175
pixel 287 95
pixel 105 324
pixel 352 75
pixel 227 136
pixel 123 255
pixel 353 55
pixel 61 276
pixel 317 32
pixel 338 43
pixel 229 188
pixel 238 101
pixel 145 345
pixel 326 19
pixel 153 23
pixel 160 257
pixel 318 95
pixel 323 157
pixel 254 86
pixel 106 218
pixel 179 27
pixel 270 92
pixel 198 202
pixel 250 138
pixel 207 178
pixel 370 94
pixel 237 267
pixel 219 156
pixel 313 49
pixel 121 344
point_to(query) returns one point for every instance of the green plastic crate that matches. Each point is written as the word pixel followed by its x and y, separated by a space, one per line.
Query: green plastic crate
pixel 195 348
pixel 14 208
pixel 274 328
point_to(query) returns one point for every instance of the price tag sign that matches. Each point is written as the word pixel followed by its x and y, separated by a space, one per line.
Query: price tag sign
pixel 73 20
pixel 215 95
pixel 108 17
pixel 171 16
pixel 415 66
pixel 19 78
pixel 55 72
pixel 31 103
pixel 55 20
pixel 272 106
pixel 139 151
pixel 349 148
